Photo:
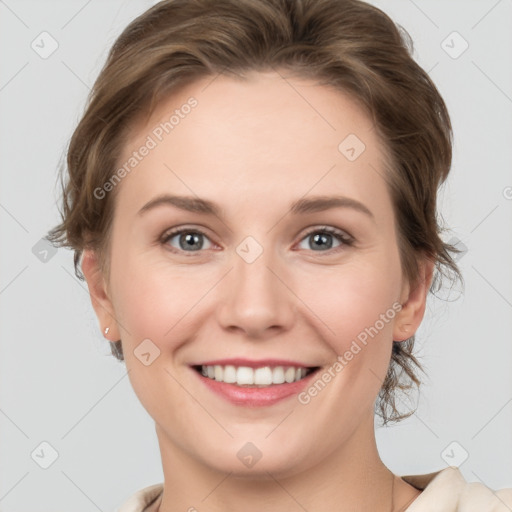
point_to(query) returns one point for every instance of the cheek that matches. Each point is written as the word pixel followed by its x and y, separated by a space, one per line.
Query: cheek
pixel 356 303
pixel 353 298
pixel 162 301
pixel 155 302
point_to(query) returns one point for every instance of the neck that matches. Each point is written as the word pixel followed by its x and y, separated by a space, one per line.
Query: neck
pixel 351 478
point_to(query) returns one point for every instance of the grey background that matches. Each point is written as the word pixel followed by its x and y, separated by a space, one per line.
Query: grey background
pixel 58 382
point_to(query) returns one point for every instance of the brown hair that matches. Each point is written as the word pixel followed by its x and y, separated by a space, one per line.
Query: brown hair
pixel 347 44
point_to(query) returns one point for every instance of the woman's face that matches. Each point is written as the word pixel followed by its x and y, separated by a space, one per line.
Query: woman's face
pixel 279 161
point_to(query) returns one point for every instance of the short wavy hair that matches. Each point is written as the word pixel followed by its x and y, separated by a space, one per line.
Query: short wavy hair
pixel 347 44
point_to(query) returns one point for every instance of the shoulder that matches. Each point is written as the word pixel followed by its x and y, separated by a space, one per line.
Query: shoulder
pixel 448 491
pixel 143 500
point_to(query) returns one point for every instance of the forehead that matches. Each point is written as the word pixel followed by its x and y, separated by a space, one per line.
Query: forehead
pixel 268 132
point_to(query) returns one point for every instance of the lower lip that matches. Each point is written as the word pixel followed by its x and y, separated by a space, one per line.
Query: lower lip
pixel 256 397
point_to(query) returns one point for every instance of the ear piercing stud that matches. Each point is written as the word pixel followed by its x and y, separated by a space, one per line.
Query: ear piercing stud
pixel 106 330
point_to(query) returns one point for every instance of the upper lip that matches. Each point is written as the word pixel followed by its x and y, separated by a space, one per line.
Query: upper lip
pixel 252 363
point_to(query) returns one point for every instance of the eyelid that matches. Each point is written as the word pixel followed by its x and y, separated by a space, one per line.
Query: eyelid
pixel 172 232
pixel 344 237
pixel 331 230
pixel 346 240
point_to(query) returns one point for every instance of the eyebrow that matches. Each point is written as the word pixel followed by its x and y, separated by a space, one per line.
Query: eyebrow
pixel 301 206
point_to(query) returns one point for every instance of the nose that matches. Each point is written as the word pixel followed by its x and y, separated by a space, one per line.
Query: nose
pixel 257 299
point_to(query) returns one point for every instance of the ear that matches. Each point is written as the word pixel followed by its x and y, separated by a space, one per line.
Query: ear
pixel 98 291
pixel 414 301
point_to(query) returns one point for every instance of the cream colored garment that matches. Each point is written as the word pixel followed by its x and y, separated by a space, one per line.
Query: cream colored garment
pixel 442 491
pixel 447 491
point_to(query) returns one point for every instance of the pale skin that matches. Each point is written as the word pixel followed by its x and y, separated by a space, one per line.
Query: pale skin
pixel 253 147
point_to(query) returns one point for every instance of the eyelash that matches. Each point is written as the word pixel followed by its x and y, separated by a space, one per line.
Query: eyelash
pixel 345 239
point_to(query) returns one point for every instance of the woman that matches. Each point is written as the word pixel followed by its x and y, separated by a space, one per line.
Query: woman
pixel 252 201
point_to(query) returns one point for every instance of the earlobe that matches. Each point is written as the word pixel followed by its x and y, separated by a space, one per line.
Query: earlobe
pixel 413 306
pixel 100 299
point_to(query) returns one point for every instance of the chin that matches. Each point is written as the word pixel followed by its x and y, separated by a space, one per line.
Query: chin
pixel 248 461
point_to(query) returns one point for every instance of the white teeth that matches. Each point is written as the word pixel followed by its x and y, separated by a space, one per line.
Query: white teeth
pixel 244 375
pixel 229 375
pixel 263 376
pixel 260 377
pixel 289 374
pixel 278 375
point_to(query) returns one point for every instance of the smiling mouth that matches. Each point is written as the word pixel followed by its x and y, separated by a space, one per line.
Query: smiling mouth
pixel 261 377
